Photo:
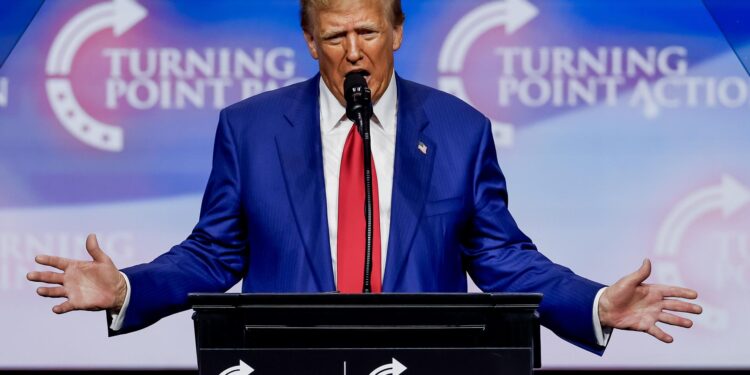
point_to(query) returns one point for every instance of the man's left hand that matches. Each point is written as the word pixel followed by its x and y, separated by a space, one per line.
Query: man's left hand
pixel 633 305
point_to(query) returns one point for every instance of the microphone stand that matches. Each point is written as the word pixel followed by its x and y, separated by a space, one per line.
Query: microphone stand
pixel 363 123
pixel 359 110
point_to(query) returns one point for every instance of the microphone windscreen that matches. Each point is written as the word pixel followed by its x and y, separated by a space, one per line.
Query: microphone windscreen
pixel 354 79
pixel 357 97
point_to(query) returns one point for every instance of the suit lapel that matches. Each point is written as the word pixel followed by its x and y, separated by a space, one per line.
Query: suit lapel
pixel 300 150
pixel 412 171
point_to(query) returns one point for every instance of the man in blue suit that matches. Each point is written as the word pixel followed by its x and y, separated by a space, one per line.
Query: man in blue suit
pixel 270 214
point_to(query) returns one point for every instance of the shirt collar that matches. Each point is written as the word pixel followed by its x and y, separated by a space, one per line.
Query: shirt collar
pixel 332 113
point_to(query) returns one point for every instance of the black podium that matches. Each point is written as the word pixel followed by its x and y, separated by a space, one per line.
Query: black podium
pixel 372 334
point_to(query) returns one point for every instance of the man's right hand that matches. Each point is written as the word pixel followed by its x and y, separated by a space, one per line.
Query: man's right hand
pixel 88 285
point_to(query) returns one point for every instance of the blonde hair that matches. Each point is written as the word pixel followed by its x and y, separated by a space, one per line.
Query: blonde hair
pixel 308 7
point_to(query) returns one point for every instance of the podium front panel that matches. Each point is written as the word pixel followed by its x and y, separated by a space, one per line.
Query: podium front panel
pixel 367 361
pixel 327 333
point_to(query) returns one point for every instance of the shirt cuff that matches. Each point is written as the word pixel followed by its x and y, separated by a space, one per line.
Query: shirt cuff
pixel 117 319
pixel 602 333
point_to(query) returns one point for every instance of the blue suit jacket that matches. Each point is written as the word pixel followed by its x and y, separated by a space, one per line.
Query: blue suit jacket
pixel 263 217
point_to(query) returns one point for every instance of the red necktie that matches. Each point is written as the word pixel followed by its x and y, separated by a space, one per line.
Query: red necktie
pixel 350 262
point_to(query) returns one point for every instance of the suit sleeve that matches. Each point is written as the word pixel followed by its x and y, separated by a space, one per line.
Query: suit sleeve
pixel 500 258
pixel 212 259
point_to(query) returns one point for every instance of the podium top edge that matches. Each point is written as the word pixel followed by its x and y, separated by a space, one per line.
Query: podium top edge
pixel 236 299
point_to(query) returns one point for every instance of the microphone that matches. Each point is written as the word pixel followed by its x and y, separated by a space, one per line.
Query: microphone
pixel 357 96
pixel 359 110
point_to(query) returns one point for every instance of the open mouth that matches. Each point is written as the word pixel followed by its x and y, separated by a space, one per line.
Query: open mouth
pixel 364 73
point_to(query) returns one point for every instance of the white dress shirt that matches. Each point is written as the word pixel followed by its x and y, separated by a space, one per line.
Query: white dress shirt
pixel 334 127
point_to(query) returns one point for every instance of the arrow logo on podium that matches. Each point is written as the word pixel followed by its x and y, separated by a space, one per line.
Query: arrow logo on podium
pixel 241 369
pixel 393 368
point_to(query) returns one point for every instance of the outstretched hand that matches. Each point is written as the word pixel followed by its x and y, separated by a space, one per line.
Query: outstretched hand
pixel 87 285
pixel 633 305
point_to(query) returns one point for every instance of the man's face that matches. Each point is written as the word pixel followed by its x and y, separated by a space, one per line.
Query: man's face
pixel 354 35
